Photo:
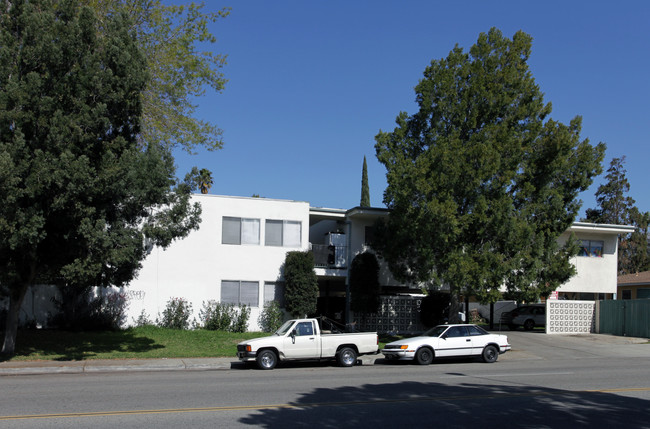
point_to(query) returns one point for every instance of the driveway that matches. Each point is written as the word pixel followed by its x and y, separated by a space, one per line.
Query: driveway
pixel 538 345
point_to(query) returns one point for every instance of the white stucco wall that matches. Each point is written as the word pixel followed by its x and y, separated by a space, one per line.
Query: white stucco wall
pixel 193 268
pixel 594 275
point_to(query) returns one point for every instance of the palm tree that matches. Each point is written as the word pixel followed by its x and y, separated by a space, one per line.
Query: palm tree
pixel 204 180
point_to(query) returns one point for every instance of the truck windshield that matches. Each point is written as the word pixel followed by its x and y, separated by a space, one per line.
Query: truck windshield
pixel 284 328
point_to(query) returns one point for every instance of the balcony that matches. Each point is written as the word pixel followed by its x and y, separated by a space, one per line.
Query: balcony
pixel 327 256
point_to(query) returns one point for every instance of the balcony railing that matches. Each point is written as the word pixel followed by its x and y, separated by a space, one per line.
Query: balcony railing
pixel 329 256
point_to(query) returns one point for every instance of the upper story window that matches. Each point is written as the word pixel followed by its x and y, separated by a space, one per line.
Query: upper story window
pixel 236 230
pixel 283 233
pixel 593 248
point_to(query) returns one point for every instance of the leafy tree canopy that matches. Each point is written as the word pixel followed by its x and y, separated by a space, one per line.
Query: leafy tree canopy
pixel 481 181
pixel 614 203
pixel 78 193
pixel 170 37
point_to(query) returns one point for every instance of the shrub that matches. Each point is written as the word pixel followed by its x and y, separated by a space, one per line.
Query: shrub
pixel 434 308
pixel 301 284
pixel 240 323
pixel 142 320
pixel 271 317
pixel 216 316
pixel 79 309
pixel 176 314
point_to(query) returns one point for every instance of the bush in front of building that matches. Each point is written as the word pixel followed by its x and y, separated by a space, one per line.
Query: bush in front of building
pixel 301 284
pixel 271 317
pixel 176 314
pixel 218 316
pixel 434 308
pixel 88 309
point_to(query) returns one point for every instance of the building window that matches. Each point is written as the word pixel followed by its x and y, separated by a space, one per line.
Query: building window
pixel 627 294
pixel 592 248
pixel 283 233
pixel 274 291
pixel 237 230
pixel 240 293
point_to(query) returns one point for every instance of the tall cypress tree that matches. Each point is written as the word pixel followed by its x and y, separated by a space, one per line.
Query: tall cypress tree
pixel 365 189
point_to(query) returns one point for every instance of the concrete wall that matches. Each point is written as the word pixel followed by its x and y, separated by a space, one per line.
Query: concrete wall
pixel 570 317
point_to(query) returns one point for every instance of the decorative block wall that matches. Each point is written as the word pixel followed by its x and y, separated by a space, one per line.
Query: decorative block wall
pixel 397 315
pixel 570 317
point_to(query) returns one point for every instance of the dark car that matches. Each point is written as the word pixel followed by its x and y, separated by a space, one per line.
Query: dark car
pixel 527 316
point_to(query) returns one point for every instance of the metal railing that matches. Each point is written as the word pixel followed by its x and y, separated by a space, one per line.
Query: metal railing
pixel 329 256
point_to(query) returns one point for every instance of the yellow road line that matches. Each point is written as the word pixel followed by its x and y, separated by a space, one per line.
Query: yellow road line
pixel 301 406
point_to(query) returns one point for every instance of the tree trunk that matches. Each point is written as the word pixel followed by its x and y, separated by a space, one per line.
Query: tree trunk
pixel 11 328
pixel 454 306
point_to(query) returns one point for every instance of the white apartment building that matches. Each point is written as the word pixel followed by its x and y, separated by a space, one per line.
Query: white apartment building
pixel 237 254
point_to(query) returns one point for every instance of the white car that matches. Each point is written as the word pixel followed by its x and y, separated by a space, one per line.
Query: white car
pixel 448 341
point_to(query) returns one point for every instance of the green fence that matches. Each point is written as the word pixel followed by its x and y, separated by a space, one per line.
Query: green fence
pixel 625 317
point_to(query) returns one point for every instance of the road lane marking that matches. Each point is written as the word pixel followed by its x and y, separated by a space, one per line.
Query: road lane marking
pixel 306 406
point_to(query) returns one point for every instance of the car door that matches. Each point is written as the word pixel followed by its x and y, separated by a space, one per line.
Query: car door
pixel 302 342
pixel 479 339
pixel 456 341
pixel 539 315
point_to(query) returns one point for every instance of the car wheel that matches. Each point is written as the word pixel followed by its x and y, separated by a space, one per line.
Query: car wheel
pixel 424 356
pixel 347 357
pixel 267 359
pixel 490 354
pixel 529 325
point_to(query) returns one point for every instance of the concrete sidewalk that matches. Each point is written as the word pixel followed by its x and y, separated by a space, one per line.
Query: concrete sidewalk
pixel 525 346
pixel 126 365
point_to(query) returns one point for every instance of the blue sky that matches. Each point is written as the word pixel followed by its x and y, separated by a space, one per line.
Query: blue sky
pixel 310 84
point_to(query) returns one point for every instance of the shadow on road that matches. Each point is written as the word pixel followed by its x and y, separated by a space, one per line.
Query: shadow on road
pixel 440 405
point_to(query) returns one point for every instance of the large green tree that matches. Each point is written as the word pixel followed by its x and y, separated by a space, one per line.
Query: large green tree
pixel 616 207
pixel 481 182
pixel 78 193
pixel 614 203
pixel 172 38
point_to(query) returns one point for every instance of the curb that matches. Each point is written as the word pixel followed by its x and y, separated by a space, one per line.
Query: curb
pixel 148 365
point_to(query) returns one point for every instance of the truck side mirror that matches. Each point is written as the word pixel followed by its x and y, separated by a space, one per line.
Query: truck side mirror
pixel 293 336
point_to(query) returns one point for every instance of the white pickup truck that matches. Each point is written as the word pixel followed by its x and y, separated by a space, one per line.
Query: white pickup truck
pixel 302 339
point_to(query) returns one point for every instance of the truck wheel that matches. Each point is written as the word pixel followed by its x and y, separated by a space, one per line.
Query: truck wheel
pixel 347 357
pixel 267 359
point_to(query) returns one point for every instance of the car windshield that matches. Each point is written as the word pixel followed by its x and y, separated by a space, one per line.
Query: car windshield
pixel 284 328
pixel 436 331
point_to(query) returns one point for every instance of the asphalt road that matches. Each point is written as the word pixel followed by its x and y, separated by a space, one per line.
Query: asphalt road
pixel 543 382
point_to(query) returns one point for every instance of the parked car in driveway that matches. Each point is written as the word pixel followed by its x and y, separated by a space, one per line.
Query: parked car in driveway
pixel 448 341
pixel 527 316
